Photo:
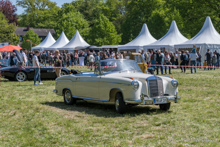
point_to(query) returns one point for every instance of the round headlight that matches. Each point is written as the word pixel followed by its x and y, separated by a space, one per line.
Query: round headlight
pixel 135 84
pixel 174 83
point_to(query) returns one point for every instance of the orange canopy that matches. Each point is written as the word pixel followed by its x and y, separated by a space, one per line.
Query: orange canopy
pixel 9 48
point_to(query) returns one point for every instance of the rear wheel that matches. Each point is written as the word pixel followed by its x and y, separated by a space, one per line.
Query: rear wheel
pixel 165 107
pixel 120 106
pixel 68 99
pixel 20 76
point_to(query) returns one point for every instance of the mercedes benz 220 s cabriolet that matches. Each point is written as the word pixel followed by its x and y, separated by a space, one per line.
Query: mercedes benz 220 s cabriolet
pixel 118 82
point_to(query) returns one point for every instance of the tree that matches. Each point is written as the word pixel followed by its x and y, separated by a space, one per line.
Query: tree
pixel 90 9
pixel 38 13
pixel 194 12
pixel 103 32
pixel 8 9
pixel 7 31
pixel 30 36
pixel 138 12
pixel 32 5
pixel 71 22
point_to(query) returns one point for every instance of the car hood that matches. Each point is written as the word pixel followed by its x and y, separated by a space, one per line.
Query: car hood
pixel 19 55
pixel 135 75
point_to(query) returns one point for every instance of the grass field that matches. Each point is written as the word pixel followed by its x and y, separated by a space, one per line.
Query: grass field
pixel 34 116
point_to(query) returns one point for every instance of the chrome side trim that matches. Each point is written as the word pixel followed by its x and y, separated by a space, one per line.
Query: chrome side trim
pixel 103 82
pixel 92 99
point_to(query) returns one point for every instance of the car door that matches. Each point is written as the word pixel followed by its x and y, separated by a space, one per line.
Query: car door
pixel 48 73
pixel 87 86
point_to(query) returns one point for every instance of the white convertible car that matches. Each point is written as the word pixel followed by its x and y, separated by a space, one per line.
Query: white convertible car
pixel 118 82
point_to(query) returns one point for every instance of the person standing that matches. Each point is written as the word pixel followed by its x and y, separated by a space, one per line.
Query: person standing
pixel 208 58
pixel 50 59
pixel 76 58
pixel 68 60
pixel 13 60
pixel 57 63
pixel 64 56
pixel 159 61
pixel 24 57
pixel 184 59
pixel 214 60
pixel 192 58
pixel 30 57
pixel 91 60
pixel 167 62
pixel 199 60
pixel 172 58
pixel 37 68
pixel 218 59
pixel 71 59
pixel 44 58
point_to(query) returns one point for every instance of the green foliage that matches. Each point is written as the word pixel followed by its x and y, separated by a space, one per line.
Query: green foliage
pixel 89 9
pixel 127 16
pixel 31 36
pixel 39 13
pixel 70 22
pixel 138 13
pixel 103 32
pixel 7 31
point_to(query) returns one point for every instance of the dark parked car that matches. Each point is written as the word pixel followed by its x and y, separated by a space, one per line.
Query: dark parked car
pixel 21 73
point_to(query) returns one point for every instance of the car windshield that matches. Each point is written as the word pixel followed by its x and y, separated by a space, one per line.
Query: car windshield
pixel 4 62
pixel 119 65
pixel 137 58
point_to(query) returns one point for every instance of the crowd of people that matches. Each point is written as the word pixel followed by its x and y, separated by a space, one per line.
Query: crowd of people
pixel 160 60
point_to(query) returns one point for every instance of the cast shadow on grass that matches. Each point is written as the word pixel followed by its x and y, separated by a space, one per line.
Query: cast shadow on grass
pixel 103 110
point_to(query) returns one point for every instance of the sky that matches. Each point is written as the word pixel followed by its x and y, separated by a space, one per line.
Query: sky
pixel 59 3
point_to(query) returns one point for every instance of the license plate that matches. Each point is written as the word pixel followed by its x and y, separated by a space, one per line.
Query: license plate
pixel 160 101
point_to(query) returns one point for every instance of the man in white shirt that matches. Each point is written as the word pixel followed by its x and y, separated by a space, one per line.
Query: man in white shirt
pixel 192 58
pixel 24 57
pixel 36 64
pixel 91 60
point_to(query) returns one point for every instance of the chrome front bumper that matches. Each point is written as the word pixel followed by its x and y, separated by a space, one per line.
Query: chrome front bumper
pixel 150 101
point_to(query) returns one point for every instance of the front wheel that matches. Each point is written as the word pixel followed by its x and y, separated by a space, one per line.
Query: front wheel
pixel 120 106
pixel 165 107
pixel 68 99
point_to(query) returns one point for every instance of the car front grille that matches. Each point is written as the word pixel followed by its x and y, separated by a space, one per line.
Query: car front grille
pixel 155 87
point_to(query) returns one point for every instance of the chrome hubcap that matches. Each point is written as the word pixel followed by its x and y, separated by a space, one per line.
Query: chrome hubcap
pixel 116 104
pixel 20 76
pixel 67 96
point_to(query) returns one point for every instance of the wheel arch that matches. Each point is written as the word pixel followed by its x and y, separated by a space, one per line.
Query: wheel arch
pixel 65 88
pixel 113 93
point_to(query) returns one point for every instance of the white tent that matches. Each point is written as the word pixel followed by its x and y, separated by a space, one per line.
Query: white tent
pixel 61 41
pixel 144 38
pixel 207 38
pixel 172 37
pixel 48 41
pixel 77 42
